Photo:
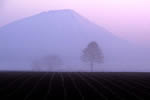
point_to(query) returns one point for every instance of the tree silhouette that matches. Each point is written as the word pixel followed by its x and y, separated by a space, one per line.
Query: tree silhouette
pixel 47 62
pixel 92 54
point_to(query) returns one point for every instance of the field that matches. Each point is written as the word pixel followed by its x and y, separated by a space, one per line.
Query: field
pixel 74 86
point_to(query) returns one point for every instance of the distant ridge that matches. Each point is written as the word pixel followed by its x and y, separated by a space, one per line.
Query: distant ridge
pixel 62 32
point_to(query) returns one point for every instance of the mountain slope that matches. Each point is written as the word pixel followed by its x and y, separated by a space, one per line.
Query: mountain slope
pixel 62 32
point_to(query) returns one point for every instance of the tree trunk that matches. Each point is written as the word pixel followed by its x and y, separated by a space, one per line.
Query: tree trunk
pixel 92 65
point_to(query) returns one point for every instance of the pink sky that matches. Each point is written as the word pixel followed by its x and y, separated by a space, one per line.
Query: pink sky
pixel 129 19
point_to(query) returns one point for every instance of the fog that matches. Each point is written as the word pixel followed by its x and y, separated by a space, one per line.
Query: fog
pixel 66 33
pixel 124 18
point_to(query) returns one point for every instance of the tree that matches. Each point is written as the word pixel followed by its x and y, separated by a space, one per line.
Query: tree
pixel 92 54
pixel 47 63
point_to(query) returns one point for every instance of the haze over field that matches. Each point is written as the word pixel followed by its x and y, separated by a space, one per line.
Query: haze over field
pixel 71 49
pixel 31 30
pixel 64 33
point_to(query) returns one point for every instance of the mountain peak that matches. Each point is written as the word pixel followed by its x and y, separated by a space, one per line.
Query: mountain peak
pixel 62 11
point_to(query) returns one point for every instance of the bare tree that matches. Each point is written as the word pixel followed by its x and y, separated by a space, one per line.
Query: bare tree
pixel 47 62
pixel 92 54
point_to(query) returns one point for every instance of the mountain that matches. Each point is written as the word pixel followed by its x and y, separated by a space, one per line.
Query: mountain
pixel 62 32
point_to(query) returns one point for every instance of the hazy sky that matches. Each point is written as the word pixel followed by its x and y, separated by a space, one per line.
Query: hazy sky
pixel 129 19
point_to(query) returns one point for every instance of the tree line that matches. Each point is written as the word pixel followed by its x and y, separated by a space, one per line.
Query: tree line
pixel 91 54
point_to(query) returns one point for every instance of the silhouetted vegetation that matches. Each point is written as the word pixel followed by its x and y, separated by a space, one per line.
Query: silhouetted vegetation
pixel 47 63
pixel 92 54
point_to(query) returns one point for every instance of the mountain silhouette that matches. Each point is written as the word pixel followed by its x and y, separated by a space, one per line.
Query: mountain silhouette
pixel 62 32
